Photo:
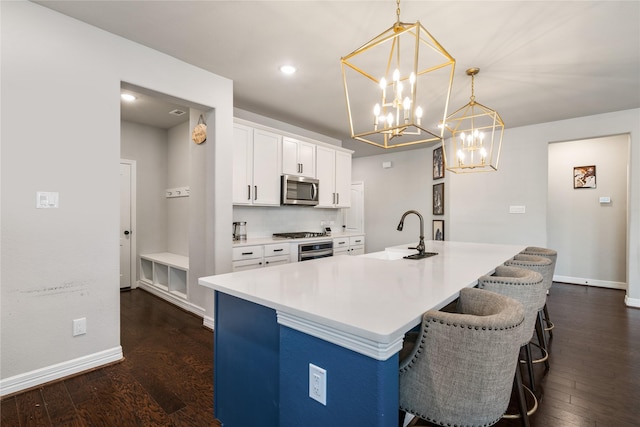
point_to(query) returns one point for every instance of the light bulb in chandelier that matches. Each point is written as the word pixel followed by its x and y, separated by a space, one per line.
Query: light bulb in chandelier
pixel 406 105
pixel 397 103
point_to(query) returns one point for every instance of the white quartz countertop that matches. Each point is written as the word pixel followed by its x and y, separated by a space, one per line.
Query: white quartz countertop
pixel 266 240
pixel 365 296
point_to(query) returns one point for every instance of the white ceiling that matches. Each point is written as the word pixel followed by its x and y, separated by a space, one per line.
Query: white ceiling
pixel 540 61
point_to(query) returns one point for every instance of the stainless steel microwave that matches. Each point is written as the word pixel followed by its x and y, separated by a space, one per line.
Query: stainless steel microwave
pixel 299 190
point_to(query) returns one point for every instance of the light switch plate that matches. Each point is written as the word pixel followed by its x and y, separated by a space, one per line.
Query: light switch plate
pixel 47 199
pixel 517 209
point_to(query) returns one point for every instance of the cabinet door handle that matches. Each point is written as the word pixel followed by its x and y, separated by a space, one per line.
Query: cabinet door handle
pixel 358 241
pixel 301 168
pixel 337 198
pixel 278 250
pixel 255 192
pixel 247 253
pixel 341 243
pixel 248 192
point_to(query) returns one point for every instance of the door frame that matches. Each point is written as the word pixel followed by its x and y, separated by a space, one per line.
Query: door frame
pixel 133 265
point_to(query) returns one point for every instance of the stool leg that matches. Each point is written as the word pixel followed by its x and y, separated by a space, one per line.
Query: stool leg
pixel 532 380
pixel 522 400
pixel 547 321
pixel 542 338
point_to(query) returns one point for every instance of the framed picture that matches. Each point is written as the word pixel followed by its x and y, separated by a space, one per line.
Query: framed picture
pixel 438 163
pixel 584 177
pixel 438 229
pixel 438 199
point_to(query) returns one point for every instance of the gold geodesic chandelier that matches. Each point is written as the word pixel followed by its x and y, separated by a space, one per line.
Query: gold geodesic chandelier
pixel 476 136
pixel 397 86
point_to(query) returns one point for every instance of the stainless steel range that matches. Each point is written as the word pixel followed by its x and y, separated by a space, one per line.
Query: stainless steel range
pixel 309 250
pixel 299 235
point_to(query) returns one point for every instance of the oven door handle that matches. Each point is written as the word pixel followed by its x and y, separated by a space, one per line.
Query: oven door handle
pixel 313 254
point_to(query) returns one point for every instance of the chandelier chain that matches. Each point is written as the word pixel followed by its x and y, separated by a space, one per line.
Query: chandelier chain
pixel 398 11
pixel 473 96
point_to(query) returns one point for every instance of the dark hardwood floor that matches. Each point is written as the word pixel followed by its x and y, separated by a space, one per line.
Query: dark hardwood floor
pixel 166 377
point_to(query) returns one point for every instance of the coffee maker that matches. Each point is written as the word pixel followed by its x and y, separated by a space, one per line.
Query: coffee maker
pixel 240 230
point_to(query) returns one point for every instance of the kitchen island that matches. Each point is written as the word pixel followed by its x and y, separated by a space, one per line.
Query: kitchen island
pixel 347 315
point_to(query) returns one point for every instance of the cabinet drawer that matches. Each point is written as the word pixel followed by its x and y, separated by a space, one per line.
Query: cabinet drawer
pixel 341 242
pixel 247 252
pixel 276 260
pixel 247 264
pixel 277 249
pixel 356 241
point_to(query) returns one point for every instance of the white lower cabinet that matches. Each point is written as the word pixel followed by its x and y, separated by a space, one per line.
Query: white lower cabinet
pixel 356 245
pixel 353 245
pixel 258 256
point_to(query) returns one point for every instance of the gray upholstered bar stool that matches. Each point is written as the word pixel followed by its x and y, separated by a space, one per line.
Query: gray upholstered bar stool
pixel 461 370
pixel 553 256
pixel 527 287
pixel 544 266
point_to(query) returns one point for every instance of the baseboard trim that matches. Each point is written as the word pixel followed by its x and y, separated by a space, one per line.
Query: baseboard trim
pixel 168 296
pixel 208 322
pixel 590 282
pixel 60 370
pixel 632 302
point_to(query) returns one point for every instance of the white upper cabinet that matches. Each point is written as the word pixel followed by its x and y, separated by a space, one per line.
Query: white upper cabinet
pixel 298 158
pixel 256 167
pixel 343 179
pixel 333 170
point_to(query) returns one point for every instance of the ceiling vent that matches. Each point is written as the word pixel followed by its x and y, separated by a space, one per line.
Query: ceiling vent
pixel 177 112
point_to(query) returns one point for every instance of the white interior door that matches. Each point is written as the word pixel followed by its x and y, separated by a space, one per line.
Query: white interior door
pixel 126 228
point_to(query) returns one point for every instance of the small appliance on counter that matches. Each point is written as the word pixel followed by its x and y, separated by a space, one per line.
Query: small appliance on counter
pixel 240 230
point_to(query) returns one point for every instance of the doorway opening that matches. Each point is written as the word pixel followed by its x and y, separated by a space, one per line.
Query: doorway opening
pixel 156 138
pixel 589 218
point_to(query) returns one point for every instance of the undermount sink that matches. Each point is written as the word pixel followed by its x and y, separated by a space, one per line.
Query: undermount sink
pixel 391 254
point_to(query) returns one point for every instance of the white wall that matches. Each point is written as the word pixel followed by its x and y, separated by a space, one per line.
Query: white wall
pixel 593 233
pixel 389 192
pixel 284 128
pixel 477 205
pixel 178 176
pixel 61 132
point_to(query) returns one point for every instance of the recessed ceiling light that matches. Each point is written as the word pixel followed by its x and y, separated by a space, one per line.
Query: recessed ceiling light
pixel 288 69
pixel 127 97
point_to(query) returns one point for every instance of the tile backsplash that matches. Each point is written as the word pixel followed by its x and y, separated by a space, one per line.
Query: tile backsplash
pixel 264 221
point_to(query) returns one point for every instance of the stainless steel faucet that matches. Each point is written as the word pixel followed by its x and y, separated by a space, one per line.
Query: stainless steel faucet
pixel 420 248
